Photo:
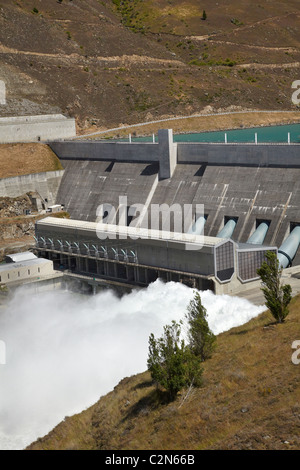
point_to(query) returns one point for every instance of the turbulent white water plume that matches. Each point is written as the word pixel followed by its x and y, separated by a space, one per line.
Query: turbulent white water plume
pixel 63 351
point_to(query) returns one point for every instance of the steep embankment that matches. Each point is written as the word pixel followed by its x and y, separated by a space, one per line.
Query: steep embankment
pixel 249 400
pixel 25 159
pixel 111 62
pixel 17 228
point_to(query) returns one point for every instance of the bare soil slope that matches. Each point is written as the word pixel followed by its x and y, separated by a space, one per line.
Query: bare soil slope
pixel 114 62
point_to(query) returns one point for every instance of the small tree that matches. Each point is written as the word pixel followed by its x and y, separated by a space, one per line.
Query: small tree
pixel 204 15
pixel 277 296
pixel 201 339
pixel 171 363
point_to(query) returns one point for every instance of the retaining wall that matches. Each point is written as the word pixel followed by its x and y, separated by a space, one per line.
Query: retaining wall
pixel 249 182
pixel 46 184
pixel 278 155
pixel 36 128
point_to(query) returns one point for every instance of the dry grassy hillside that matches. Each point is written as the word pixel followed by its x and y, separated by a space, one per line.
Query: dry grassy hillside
pixel 25 159
pixel 16 228
pixel 112 62
pixel 249 400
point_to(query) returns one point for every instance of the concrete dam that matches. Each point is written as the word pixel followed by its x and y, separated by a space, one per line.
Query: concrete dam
pixel 250 196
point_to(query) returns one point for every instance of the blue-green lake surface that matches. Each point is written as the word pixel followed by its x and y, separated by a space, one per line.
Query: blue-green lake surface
pixel 270 134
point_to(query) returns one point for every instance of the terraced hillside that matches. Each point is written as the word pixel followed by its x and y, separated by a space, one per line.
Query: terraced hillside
pixel 114 62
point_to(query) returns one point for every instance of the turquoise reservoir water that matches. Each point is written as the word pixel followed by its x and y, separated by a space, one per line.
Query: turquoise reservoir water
pixel 275 134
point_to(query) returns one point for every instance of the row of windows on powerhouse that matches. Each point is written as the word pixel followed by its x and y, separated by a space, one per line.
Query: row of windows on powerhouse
pixel 19 274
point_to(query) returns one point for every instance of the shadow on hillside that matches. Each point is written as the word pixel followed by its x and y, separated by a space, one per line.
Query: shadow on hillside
pixel 145 384
pixel 270 324
pixel 145 405
pixel 242 332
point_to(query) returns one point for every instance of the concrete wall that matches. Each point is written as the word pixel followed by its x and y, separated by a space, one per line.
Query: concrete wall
pixel 36 128
pixel 108 151
pixel 248 193
pixel 87 184
pixel 281 155
pixel 169 154
pixel 164 152
pixel 46 184
pixel 48 283
pixel 250 182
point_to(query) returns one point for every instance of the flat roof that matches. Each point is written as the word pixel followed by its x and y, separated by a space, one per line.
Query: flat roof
pixel 32 262
pixel 254 247
pixel 131 232
pixel 24 256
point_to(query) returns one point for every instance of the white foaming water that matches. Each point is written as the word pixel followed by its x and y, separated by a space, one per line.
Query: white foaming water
pixel 64 351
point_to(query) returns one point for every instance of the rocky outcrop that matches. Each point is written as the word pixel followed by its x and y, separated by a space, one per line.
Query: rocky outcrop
pixel 17 230
pixel 12 207
pixel 16 227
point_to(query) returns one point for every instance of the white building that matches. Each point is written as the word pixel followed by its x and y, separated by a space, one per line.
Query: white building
pixel 22 267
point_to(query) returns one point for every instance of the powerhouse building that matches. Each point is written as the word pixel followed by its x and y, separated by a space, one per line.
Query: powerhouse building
pixel 249 194
pixel 138 256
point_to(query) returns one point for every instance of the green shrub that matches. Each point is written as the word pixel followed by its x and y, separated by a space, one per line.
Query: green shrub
pixel 277 296
pixel 171 363
pixel 202 341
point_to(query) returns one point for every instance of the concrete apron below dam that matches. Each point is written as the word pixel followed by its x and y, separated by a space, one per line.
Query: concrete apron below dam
pixel 254 294
pixel 90 285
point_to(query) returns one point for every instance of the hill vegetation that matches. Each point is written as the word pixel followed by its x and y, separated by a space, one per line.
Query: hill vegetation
pixel 25 159
pixel 112 62
pixel 249 399
pixel 16 228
